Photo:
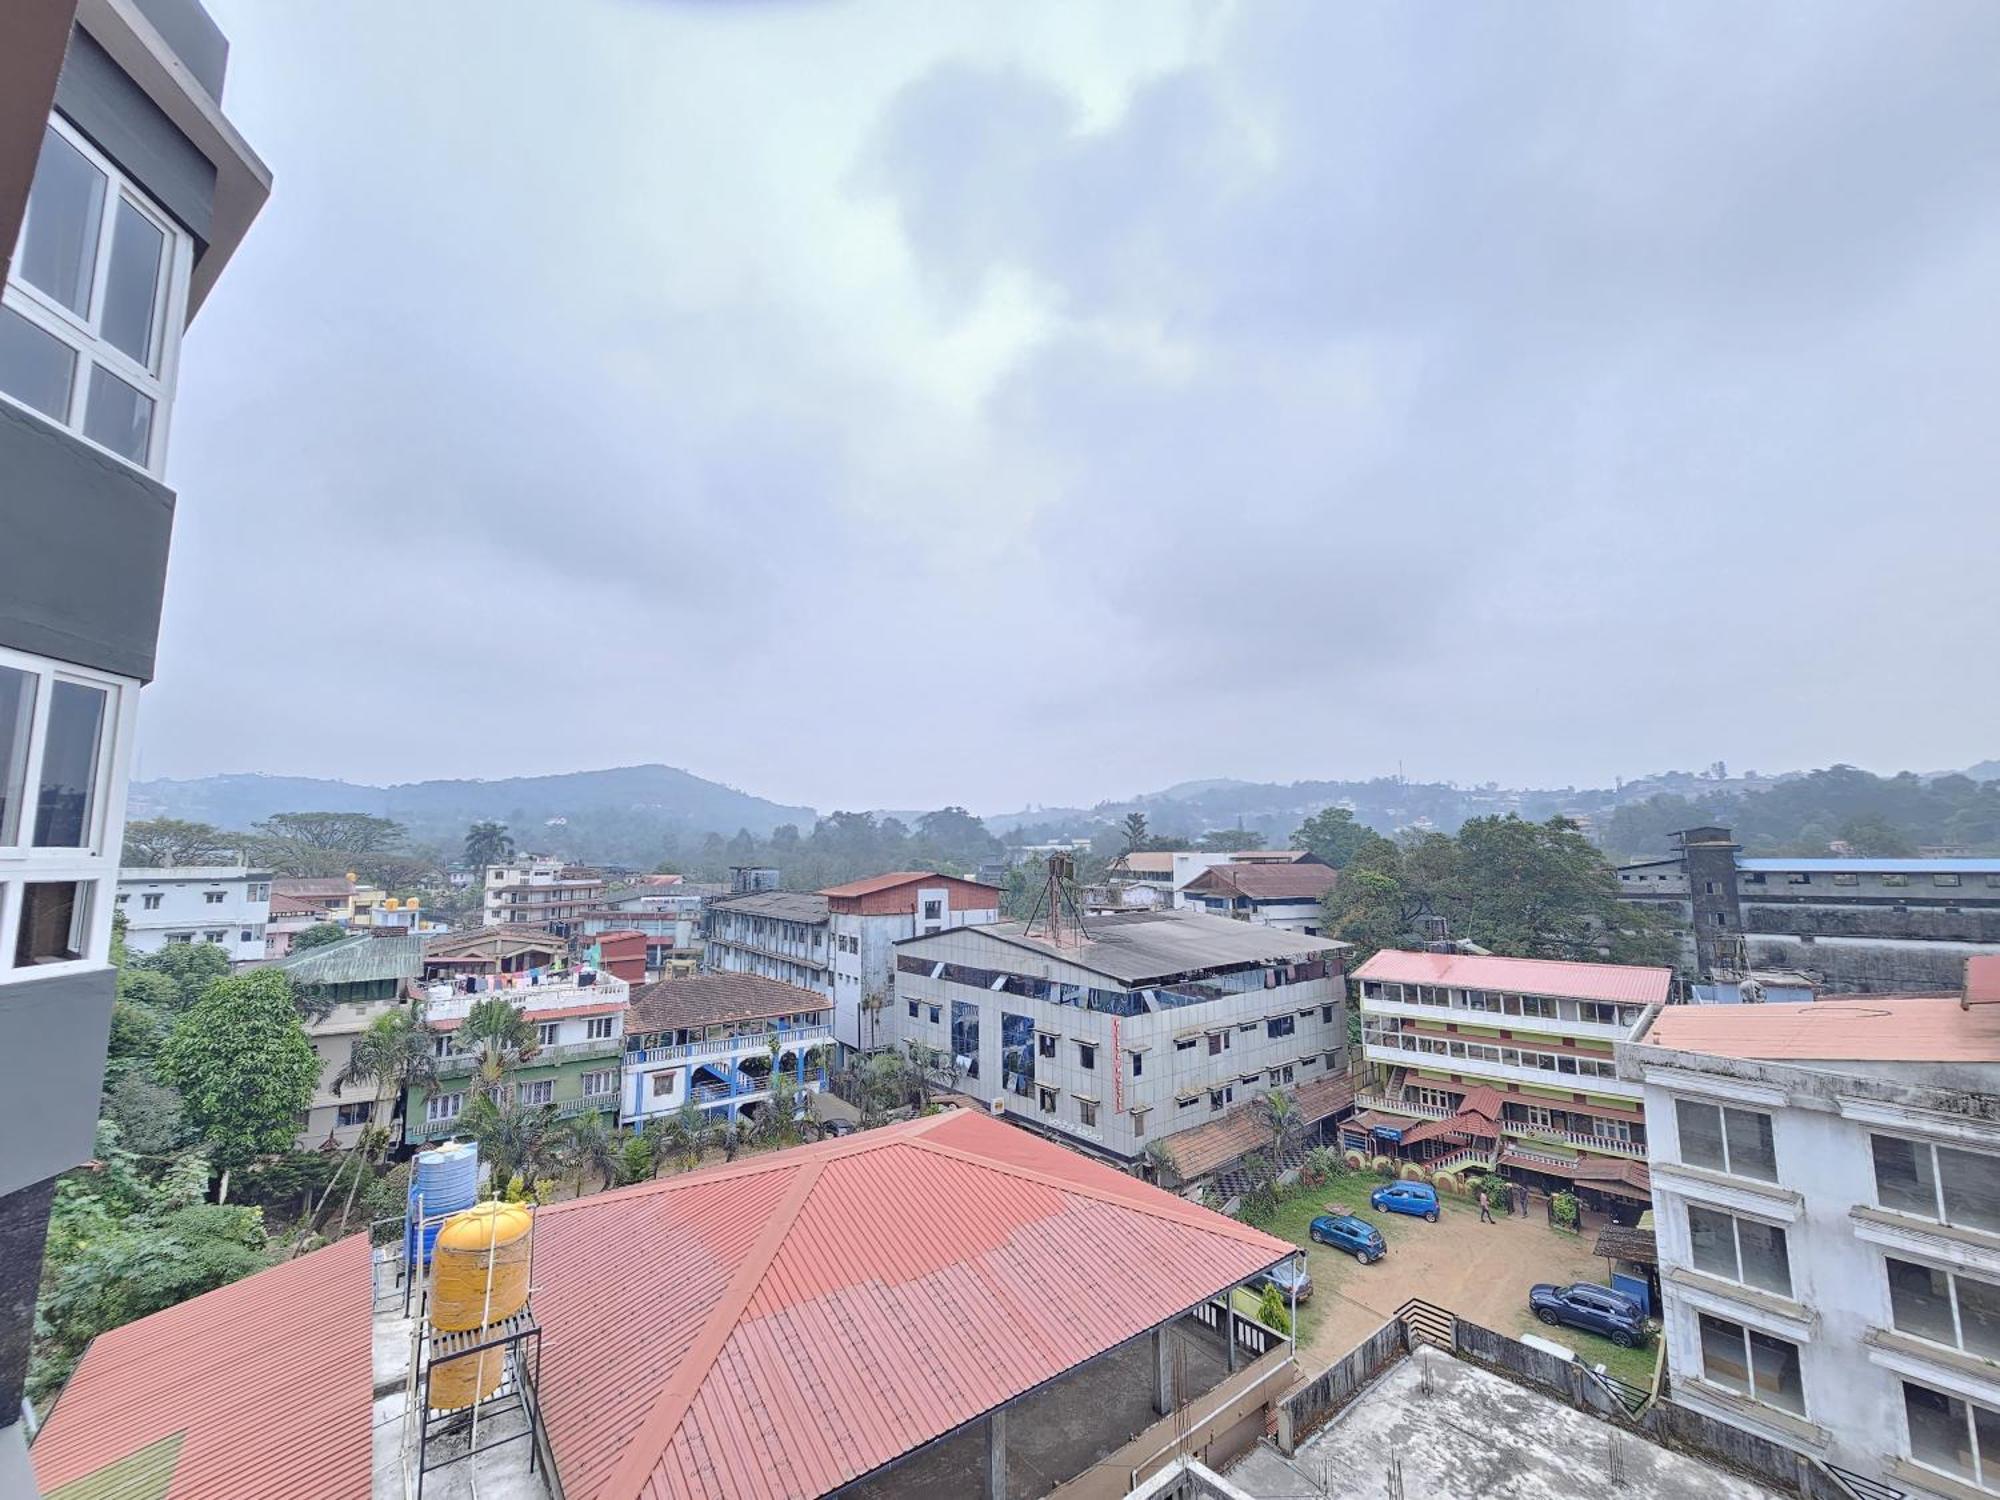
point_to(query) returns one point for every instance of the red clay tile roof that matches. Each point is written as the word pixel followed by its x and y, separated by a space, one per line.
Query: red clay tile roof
pixel 1265 882
pixel 1201 1149
pixel 1862 1028
pixel 1606 1172
pixel 1629 984
pixel 778 1327
pixel 706 999
pixel 889 882
pixel 268 1382
pixel 1982 979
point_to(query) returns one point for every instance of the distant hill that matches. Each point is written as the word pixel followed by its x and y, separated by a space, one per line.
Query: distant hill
pixel 613 814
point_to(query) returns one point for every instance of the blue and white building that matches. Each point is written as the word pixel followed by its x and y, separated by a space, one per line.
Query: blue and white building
pixel 716 1039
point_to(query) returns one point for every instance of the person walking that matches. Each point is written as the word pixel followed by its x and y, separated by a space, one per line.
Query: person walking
pixel 1485 1207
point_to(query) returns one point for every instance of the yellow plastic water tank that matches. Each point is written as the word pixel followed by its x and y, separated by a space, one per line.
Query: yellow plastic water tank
pixel 487 1236
pixel 469 1378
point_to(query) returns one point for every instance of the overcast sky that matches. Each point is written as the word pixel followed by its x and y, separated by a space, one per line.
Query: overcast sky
pixel 893 404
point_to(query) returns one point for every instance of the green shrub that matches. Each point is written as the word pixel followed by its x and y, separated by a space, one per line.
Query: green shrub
pixel 1272 1313
pixel 1565 1210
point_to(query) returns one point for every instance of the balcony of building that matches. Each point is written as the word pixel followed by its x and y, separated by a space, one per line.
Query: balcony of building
pixel 1388 1043
pixel 454 1063
pixel 1564 1130
pixel 734 1048
pixel 595 988
pixel 1574 1019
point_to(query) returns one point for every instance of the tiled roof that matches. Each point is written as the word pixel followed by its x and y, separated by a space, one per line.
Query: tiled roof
pixel 1622 1242
pixel 1265 882
pixel 358 960
pixel 1871 1028
pixel 787 906
pixel 779 1327
pixel 1205 1148
pixel 1629 984
pixel 1140 947
pixel 259 1391
pixel 705 999
pixel 1613 1174
pixel 890 882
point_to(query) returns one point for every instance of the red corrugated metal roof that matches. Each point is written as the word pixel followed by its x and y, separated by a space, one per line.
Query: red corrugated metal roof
pixel 269 1381
pixel 1631 984
pixel 779 1327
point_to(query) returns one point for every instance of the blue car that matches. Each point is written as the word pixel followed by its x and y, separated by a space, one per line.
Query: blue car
pixel 1358 1237
pixel 1594 1309
pixel 1416 1198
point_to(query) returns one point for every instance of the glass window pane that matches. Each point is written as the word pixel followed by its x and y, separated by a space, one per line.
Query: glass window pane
pixel 69 766
pixel 1714 1244
pixel 1751 1153
pixel 1722 1356
pixel 1920 1301
pixel 132 286
pixel 1766 1260
pixel 1939 1433
pixel 118 416
pixel 17 717
pixel 1979 1322
pixel 1701 1133
pixel 1777 1367
pixel 54 919
pixel 1903 1176
pixel 1986 1427
pixel 58 252
pixel 36 367
pixel 1971 1187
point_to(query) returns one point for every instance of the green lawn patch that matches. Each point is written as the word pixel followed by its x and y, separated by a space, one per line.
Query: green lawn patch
pixel 1633 1366
pixel 1293 1216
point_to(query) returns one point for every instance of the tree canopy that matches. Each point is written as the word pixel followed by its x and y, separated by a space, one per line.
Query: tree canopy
pixel 1527 890
pixel 243 1066
pixel 1335 836
pixel 176 841
pixel 319 935
pixel 488 843
pixel 323 843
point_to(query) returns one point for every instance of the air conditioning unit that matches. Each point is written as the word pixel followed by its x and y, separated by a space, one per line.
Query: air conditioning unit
pixel 999 1105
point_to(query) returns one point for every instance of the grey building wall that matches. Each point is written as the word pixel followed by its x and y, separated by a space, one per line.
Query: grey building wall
pixel 195 39
pixel 85 564
pixel 101 100
pixel 24 1231
pixel 52 1038
pixel 1709 858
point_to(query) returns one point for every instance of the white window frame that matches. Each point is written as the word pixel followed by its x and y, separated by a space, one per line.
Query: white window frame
pixel 528 1094
pixel 608 1077
pixel 592 1031
pixel 1982 1480
pixel 436 1116
pixel 93 864
pixel 79 334
pixel 1736 1223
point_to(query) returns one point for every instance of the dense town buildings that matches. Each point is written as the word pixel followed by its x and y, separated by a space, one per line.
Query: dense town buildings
pixel 1852 925
pixel 1509 1063
pixel 1127 1030
pixel 782 935
pixel 228 906
pixel 343 987
pixel 866 918
pixel 1826 1189
pixel 124 191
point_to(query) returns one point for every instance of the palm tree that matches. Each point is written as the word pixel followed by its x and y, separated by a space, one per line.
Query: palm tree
pixel 1279 1113
pixel 588 1144
pixel 503 1038
pixel 514 1139
pixel 394 1055
pixel 684 1135
pixel 488 844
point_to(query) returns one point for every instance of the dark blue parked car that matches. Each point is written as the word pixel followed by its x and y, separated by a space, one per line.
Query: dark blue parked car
pixel 1594 1309
pixel 1418 1198
pixel 1358 1237
pixel 1290 1277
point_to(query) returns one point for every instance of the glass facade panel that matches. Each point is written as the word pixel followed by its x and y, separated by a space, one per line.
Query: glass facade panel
pixel 68 791
pixel 1751 1152
pixel 1723 1360
pixel 55 920
pixel 1979 1317
pixel 119 416
pixel 1701 1134
pixel 1766 1260
pixel 1776 1365
pixel 17 719
pixel 58 254
pixel 1971 1187
pixel 1920 1301
pixel 132 290
pixel 1903 1177
pixel 1714 1242
pixel 36 368
pixel 1940 1435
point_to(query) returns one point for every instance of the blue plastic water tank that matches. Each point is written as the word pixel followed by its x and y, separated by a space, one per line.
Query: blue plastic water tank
pixel 445 1179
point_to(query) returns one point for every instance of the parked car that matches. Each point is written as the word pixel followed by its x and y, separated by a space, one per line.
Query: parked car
pixel 1594 1309
pixel 1282 1276
pixel 837 1127
pixel 1418 1198
pixel 1358 1237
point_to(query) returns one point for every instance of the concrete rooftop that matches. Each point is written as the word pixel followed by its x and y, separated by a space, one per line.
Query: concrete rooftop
pixel 1464 1434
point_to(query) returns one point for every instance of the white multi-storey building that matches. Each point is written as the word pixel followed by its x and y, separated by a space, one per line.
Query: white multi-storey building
pixel 782 935
pixel 539 892
pixel 867 918
pixel 1142 1024
pixel 709 1038
pixel 228 906
pixel 1826 1194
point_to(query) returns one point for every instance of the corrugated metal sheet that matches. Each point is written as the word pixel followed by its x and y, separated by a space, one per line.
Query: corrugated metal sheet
pixel 267 1383
pixel 144 1475
pixel 780 1327
pixel 1633 984
pixel 357 960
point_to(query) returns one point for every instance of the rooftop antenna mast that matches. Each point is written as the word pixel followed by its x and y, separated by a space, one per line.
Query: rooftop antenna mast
pixel 1058 891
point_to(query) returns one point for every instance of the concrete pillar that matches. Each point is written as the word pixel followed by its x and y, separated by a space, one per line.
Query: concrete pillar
pixel 1163 1371
pixel 996 1455
pixel 1229 1327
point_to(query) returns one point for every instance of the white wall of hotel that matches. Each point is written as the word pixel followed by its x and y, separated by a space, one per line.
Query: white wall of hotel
pixel 864 956
pixel 659 1080
pixel 225 905
pixel 1856 1348
pixel 1148 1074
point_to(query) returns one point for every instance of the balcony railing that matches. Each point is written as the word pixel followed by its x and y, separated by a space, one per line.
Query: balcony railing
pixel 606 989
pixel 590 1104
pixel 604 1046
pixel 734 1046
pixel 1517 1130
pixel 1405 1106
